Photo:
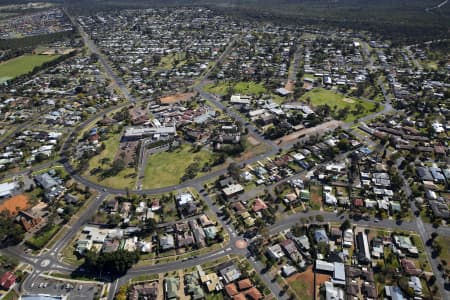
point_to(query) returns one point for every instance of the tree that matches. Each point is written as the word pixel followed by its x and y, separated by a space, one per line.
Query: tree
pixel 344 145
pixel 117 262
pixel 234 171
pixel 346 225
pixel 319 218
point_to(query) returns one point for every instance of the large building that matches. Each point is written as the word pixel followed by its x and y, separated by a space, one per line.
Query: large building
pixel 137 133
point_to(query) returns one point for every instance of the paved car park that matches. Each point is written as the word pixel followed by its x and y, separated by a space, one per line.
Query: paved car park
pixel 74 290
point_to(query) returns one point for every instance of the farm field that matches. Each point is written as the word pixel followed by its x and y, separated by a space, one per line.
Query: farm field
pixel 22 65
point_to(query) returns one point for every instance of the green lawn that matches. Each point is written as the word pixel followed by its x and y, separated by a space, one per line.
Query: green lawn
pixel 11 295
pixel 167 168
pixel 444 241
pixel 338 101
pixel 245 88
pixel 170 61
pixel 22 65
pixel 125 178
pixel 214 296
pixel 41 238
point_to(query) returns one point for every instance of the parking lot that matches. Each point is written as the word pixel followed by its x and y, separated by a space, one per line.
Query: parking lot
pixel 73 290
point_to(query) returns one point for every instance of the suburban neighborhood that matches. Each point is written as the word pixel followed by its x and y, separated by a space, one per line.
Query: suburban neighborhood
pixel 187 153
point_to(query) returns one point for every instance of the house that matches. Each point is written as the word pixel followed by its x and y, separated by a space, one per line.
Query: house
pixel 275 252
pixel 199 233
pixel 211 281
pixel 7 280
pixel 7 189
pixel 171 286
pixel 259 205
pixel 440 210
pixel 82 246
pixel 288 270
pixel 110 246
pixel 321 236
pixel 148 290
pixel 167 242
pixel 409 267
pixel 424 174
pixel 348 238
pixel 339 274
pixel 231 290
pixel 303 242
pixel 45 181
pixel 253 294
pixel 332 292
pixel 230 273
pixel 185 239
pixel 393 292
pixel 363 248
pixel 28 220
pixel 404 243
pixel 416 285
pixel 210 232
pixel 233 190
pixel 324 266
pixel 192 287
pixel 205 221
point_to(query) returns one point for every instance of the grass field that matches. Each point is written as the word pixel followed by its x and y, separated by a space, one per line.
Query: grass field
pixel 338 101
pixel 301 289
pixel 167 168
pixel 444 241
pixel 41 239
pixel 170 61
pixel 246 88
pixel 125 178
pixel 22 65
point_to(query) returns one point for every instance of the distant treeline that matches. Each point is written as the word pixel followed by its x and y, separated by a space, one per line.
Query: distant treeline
pixel 402 21
pixel 33 41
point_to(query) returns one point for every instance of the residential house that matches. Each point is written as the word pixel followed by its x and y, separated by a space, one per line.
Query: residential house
pixel 363 248
pixel 7 280
pixel 171 286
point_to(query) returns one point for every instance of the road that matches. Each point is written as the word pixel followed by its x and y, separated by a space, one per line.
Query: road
pixel 115 79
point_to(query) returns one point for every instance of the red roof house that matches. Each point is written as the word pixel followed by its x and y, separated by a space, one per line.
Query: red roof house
pixel 7 281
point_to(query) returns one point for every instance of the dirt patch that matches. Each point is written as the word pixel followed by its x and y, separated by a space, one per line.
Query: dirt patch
pixel 14 204
pixel 177 98
pixel 290 85
pixel 319 129
pixel 348 100
pixel 307 278
pixel 253 141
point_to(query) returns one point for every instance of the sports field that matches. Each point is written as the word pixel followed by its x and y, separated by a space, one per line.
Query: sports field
pixel 22 65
